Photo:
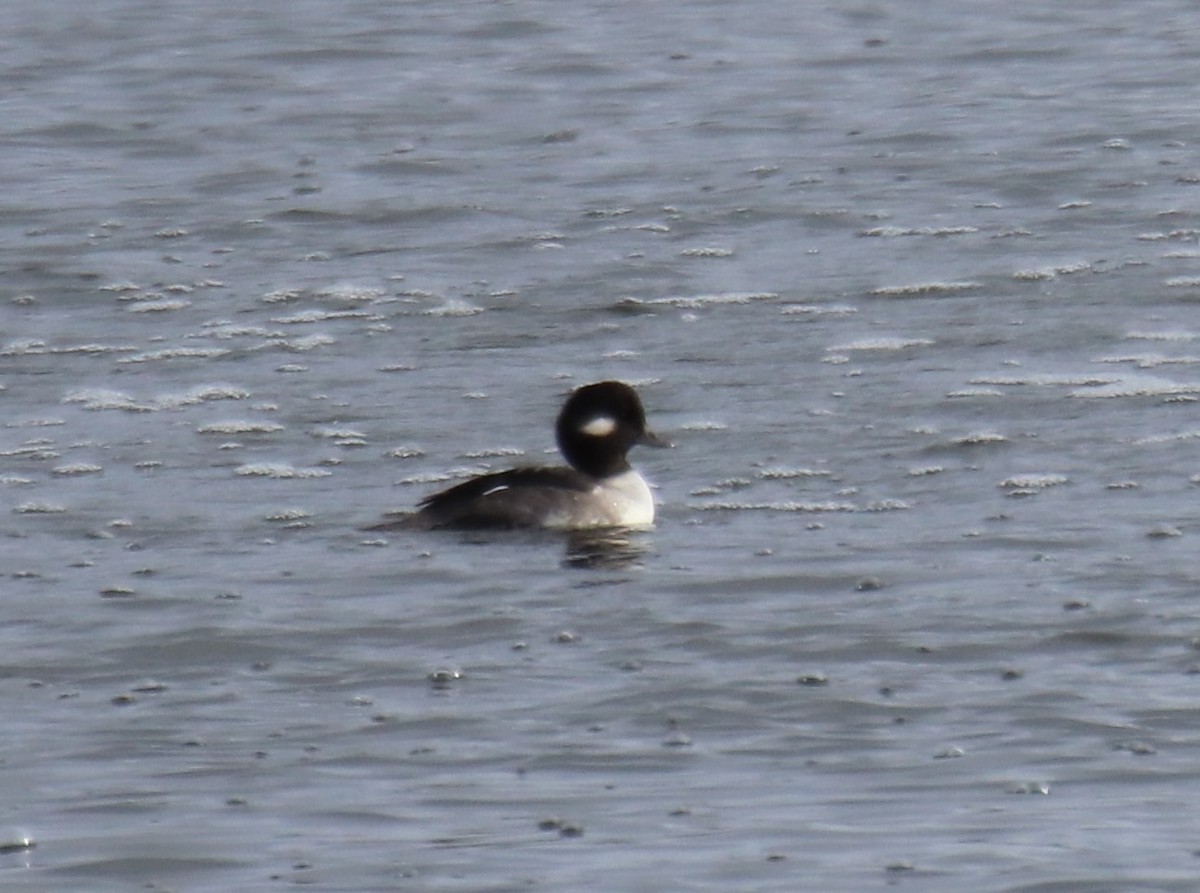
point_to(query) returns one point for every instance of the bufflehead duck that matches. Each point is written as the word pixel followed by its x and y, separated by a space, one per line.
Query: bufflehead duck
pixel 596 427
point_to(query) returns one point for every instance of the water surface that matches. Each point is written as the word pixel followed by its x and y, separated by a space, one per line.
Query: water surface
pixel 912 286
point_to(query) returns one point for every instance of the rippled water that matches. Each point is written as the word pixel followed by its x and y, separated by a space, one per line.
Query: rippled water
pixel 913 287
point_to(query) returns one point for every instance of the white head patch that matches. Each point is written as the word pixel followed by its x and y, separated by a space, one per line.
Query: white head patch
pixel 600 426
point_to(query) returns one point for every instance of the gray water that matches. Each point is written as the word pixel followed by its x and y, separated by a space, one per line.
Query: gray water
pixel 914 288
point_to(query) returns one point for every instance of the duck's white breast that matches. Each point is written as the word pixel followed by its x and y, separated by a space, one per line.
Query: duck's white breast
pixel 625 500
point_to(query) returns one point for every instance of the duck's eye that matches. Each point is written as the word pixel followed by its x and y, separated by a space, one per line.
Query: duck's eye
pixel 601 426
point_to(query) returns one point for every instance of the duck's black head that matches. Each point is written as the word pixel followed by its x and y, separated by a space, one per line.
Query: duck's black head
pixel 599 424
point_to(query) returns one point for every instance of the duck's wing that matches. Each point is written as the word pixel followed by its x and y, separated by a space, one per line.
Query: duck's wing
pixel 515 478
pixel 519 497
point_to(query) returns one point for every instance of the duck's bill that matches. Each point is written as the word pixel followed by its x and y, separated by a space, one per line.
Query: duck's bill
pixel 650 439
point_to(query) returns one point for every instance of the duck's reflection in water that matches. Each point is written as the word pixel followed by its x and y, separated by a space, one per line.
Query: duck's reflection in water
pixel 608 549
